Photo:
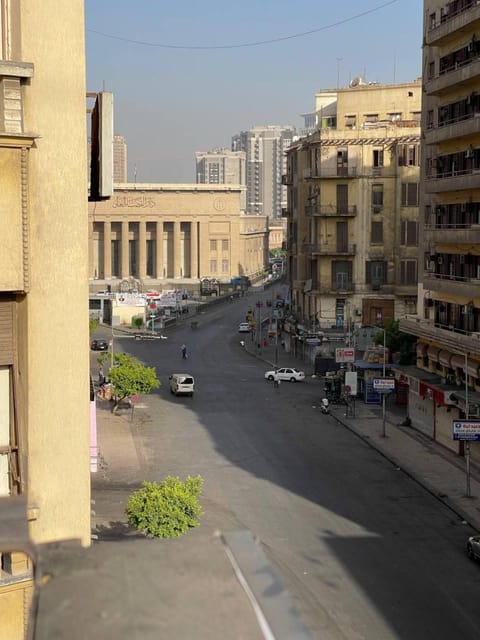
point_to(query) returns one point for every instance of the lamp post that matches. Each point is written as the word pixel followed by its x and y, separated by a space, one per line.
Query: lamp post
pixel 384 432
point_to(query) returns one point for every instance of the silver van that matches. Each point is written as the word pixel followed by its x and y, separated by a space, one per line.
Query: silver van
pixel 182 384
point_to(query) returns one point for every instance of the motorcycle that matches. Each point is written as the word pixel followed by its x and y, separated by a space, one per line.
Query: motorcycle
pixel 325 406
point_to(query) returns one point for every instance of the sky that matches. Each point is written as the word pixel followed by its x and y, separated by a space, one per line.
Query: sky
pixel 183 81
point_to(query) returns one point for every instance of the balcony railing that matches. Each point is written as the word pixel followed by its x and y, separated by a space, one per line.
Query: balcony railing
pixel 336 210
pixel 448 336
pixel 334 172
pixel 329 250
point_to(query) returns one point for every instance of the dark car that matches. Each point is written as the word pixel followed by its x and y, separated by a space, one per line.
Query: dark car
pixel 473 547
pixel 99 345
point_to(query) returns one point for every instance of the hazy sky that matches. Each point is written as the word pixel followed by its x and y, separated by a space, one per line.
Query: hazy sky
pixel 171 101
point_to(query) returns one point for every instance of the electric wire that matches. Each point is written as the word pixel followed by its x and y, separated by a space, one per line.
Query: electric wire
pixel 257 43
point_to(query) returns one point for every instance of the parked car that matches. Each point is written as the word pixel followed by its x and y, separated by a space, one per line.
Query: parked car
pixel 99 345
pixel 182 384
pixel 286 373
pixel 473 547
pixel 244 327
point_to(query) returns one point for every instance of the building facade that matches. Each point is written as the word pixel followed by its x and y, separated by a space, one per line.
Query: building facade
pixel 119 159
pixel 44 359
pixel 161 234
pixel 222 166
pixel 353 197
pixel 265 149
pixel 445 385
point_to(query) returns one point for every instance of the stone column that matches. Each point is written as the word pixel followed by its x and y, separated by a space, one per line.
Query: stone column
pixel 107 250
pixel 159 250
pixel 125 253
pixel 194 270
pixel 177 265
pixel 142 248
pixel 203 251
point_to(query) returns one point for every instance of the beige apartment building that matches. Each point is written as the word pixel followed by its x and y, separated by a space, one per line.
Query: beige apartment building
pixel 445 385
pixel 44 360
pixel 164 235
pixel 353 197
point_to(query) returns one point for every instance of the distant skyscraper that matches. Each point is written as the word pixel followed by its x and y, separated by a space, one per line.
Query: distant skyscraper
pixel 266 162
pixel 119 159
pixel 221 166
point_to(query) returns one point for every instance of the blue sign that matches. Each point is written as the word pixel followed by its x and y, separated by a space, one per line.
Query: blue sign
pixel 466 430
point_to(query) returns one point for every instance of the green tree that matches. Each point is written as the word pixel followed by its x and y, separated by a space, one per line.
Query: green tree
pixel 398 342
pixel 130 378
pixel 93 325
pixel 166 510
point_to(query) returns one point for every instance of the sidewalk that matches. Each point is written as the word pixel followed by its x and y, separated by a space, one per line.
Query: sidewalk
pixel 439 470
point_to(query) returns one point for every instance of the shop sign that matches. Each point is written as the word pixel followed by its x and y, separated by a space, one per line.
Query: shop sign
pixel 344 355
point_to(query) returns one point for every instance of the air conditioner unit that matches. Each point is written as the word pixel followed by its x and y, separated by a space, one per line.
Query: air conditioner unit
pixel 376 208
pixel 449 397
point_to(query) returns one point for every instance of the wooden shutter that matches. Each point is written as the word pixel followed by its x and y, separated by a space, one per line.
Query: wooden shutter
pixel 7 332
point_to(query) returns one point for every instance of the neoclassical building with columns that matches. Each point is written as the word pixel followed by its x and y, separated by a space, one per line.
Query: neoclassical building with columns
pixel 162 233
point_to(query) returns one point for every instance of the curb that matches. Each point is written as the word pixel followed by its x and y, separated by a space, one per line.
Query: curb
pixel 414 475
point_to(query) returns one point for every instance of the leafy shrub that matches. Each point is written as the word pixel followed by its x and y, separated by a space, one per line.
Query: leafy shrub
pixel 166 510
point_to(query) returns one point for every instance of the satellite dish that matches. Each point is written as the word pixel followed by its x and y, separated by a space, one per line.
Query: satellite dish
pixel 355 82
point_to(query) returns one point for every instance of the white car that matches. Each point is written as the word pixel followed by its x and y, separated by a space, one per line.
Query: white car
pixel 286 373
pixel 182 384
pixel 473 547
pixel 244 327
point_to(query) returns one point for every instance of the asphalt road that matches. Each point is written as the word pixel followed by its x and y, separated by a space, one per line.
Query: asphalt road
pixel 365 551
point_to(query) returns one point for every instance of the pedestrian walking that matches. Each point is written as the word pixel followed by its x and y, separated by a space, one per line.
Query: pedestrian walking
pixel 101 376
pixel 183 349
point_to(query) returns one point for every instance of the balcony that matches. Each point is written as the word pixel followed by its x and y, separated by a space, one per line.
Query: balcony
pixel 454 22
pixel 408 290
pixel 466 74
pixel 285 212
pixel 459 128
pixel 287 179
pixel 451 285
pixel 329 250
pixel 455 340
pixel 449 234
pixel 334 172
pixel 334 211
pixel 452 181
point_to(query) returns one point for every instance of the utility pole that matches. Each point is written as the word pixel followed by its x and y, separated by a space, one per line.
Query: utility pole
pixel 384 432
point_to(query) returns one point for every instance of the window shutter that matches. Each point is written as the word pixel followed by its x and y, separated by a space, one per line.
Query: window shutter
pixel 377 232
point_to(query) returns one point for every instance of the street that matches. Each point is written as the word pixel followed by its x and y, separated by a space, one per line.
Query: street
pixel 364 551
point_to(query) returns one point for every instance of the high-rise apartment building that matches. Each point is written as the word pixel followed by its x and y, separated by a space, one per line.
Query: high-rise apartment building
pixel 446 383
pixel 353 189
pixel 222 166
pixel 119 159
pixel 265 148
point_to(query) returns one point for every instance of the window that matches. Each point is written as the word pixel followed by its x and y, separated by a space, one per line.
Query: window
pixel 378 157
pixel 376 236
pixel 430 119
pixel 371 117
pixel 409 233
pixel 377 195
pixel 213 266
pixel 409 196
pixel 431 70
pixel 375 272
pixel 408 272
pixel 224 266
pixel 408 155
pixel 395 116
pixel 213 245
pixel 224 245
pixel 350 122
